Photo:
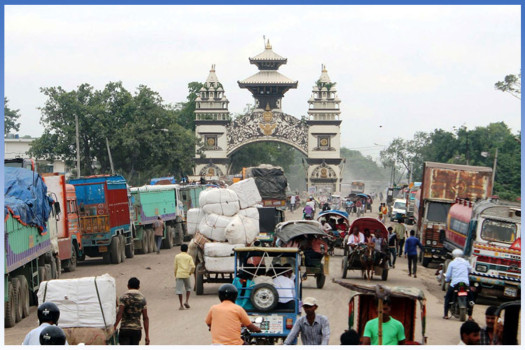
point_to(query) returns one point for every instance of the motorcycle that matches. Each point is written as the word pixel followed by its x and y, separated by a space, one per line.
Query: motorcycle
pixel 460 302
pixel 246 335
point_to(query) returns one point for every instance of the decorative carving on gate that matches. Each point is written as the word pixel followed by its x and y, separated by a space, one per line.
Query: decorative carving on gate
pixel 265 126
pixel 211 170
pixel 323 172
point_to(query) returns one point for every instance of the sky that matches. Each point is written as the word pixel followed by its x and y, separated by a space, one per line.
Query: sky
pixel 398 69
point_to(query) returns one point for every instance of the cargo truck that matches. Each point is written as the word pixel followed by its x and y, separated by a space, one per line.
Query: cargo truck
pixel 171 203
pixel 104 212
pixel 67 224
pixel 442 184
pixel 271 183
pixel 28 241
pixel 489 234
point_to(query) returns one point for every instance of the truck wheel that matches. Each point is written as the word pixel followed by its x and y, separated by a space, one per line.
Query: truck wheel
pixel 58 263
pixel 384 275
pixel 48 272
pixel 53 268
pixel 152 245
pixel 122 248
pixel 319 280
pixel 145 242
pixel 71 264
pixel 264 297
pixel 18 299
pixel 426 261
pixel 344 266
pixel 179 233
pixel 130 249
pixel 10 307
pixel 41 274
pixel 25 295
pixel 199 280
pixel 106 258
pixel 114 250
pixel 167 242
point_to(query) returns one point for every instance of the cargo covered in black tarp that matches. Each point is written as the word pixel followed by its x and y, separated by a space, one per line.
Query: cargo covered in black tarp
pixel 270 181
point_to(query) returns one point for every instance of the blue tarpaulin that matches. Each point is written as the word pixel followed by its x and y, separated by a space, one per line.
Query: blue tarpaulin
pixel 26 197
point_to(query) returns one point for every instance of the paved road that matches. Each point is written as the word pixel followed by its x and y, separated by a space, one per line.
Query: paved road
pixel 170 326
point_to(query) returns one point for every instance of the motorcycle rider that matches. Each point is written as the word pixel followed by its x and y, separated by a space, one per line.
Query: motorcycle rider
pixel 308 212
pixel 52 335
pixel 225 319
pixel 458 271
pixel 48 315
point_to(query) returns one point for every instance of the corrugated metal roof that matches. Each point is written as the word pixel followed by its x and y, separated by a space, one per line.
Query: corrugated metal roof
pixel 268 77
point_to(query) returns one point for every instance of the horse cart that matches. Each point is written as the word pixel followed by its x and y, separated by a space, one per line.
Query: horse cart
pixel 366 300
pixel 312 241
pixel 366 257
pixel 339 221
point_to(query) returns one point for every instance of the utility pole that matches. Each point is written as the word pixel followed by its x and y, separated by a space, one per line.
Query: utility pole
pixel 78 147
pixel 494 167
pixel 110 159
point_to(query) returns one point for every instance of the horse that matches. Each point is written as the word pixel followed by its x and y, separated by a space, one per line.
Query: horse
pixel 367 261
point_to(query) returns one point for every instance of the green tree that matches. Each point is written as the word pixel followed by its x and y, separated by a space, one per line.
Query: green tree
pixel 511 84
pixel 186 110
pixel 11 117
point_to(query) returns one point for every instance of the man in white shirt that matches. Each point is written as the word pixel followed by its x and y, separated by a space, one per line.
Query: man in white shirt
pixel 285 285
pixel 458 271
pixel 292 203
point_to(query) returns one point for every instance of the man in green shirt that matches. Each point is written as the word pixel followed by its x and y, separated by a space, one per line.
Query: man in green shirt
pixel 393 330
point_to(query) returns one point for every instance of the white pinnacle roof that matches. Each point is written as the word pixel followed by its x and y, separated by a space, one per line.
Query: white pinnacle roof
pixel 268 77
pixel 212 77
pixel 324 76
pixel 267 55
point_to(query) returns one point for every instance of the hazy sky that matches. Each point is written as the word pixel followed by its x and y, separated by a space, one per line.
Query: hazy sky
pixel 398 69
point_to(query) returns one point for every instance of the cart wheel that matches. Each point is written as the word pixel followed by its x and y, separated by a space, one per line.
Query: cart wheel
pixel 384 275
pixel 264 297
pixel 319 280
pixel 199 280
pixel 344 266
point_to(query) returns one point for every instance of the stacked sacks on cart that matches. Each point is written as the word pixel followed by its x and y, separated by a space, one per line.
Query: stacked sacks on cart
pixel 226 216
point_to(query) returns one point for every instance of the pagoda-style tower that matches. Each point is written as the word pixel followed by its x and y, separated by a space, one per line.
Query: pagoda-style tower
pixel 268 86
pixel 211 120
pixel 324 159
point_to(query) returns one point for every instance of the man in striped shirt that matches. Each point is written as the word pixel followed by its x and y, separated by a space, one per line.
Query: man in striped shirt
pixel 314 329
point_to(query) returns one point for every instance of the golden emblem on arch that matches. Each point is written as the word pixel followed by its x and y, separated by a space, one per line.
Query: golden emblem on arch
pixel 267 126
pixel 324 142
pixel 324 173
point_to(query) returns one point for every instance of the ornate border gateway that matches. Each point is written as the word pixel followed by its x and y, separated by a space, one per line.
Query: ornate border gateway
pixel 317 137
pixel 267 126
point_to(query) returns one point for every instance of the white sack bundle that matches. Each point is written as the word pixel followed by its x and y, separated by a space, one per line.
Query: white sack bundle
pixel 194 218
pixel 219 264
pixel 220 249
pixel 242 230
pixel 212 226
pixel 78 300
pixel 252 213
pixel 217 195
pixel 247 192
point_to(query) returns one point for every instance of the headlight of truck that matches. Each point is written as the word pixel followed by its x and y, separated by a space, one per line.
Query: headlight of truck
pixel 481 268
pixel 428 242
pixel 434 242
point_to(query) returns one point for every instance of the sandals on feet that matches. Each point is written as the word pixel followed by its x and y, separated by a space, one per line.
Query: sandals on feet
pixel 181 308
pixel 446 317
pixel 187 305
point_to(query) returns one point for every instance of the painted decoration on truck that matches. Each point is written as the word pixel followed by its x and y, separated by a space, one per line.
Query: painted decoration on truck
pixel 451 184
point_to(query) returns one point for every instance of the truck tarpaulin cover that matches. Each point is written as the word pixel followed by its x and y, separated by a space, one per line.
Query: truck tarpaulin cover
pixel 271 182
pixel 25 197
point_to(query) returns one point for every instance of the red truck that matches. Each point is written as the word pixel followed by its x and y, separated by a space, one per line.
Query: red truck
pixel 442 184
pixel 68 232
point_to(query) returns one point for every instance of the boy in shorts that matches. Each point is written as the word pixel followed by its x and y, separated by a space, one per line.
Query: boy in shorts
pixel 184 268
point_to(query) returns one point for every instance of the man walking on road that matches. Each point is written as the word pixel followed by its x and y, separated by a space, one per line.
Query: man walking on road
pixel 401 232
pixel 292 203
pixel 132 305
pixel 411 245
pixel 183 269
pixel 392 244
pixel 159 232
pixel 314 329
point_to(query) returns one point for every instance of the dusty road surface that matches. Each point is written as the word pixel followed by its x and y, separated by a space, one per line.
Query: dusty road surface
pixel 171 326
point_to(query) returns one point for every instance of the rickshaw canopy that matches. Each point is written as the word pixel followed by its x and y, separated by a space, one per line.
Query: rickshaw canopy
pixel 288 230
pixel 370 223
pixel 326 213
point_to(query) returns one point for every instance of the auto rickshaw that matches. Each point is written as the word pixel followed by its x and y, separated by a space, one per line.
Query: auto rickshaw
pixel 351 261
pixel 341 223
pixel 508 317
pixel 269 217
pixel 365 300
pixel 312 241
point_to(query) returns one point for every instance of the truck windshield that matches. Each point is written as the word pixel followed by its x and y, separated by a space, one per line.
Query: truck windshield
pixel 437 211
pixel 400 205
pixel 493 230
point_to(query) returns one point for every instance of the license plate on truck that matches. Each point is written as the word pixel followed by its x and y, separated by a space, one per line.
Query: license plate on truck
pixel 510 292
pixel 102 249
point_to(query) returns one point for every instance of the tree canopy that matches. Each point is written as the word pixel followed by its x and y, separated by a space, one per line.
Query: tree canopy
pixel 143 132
pixel 511 84
pixel 11 117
